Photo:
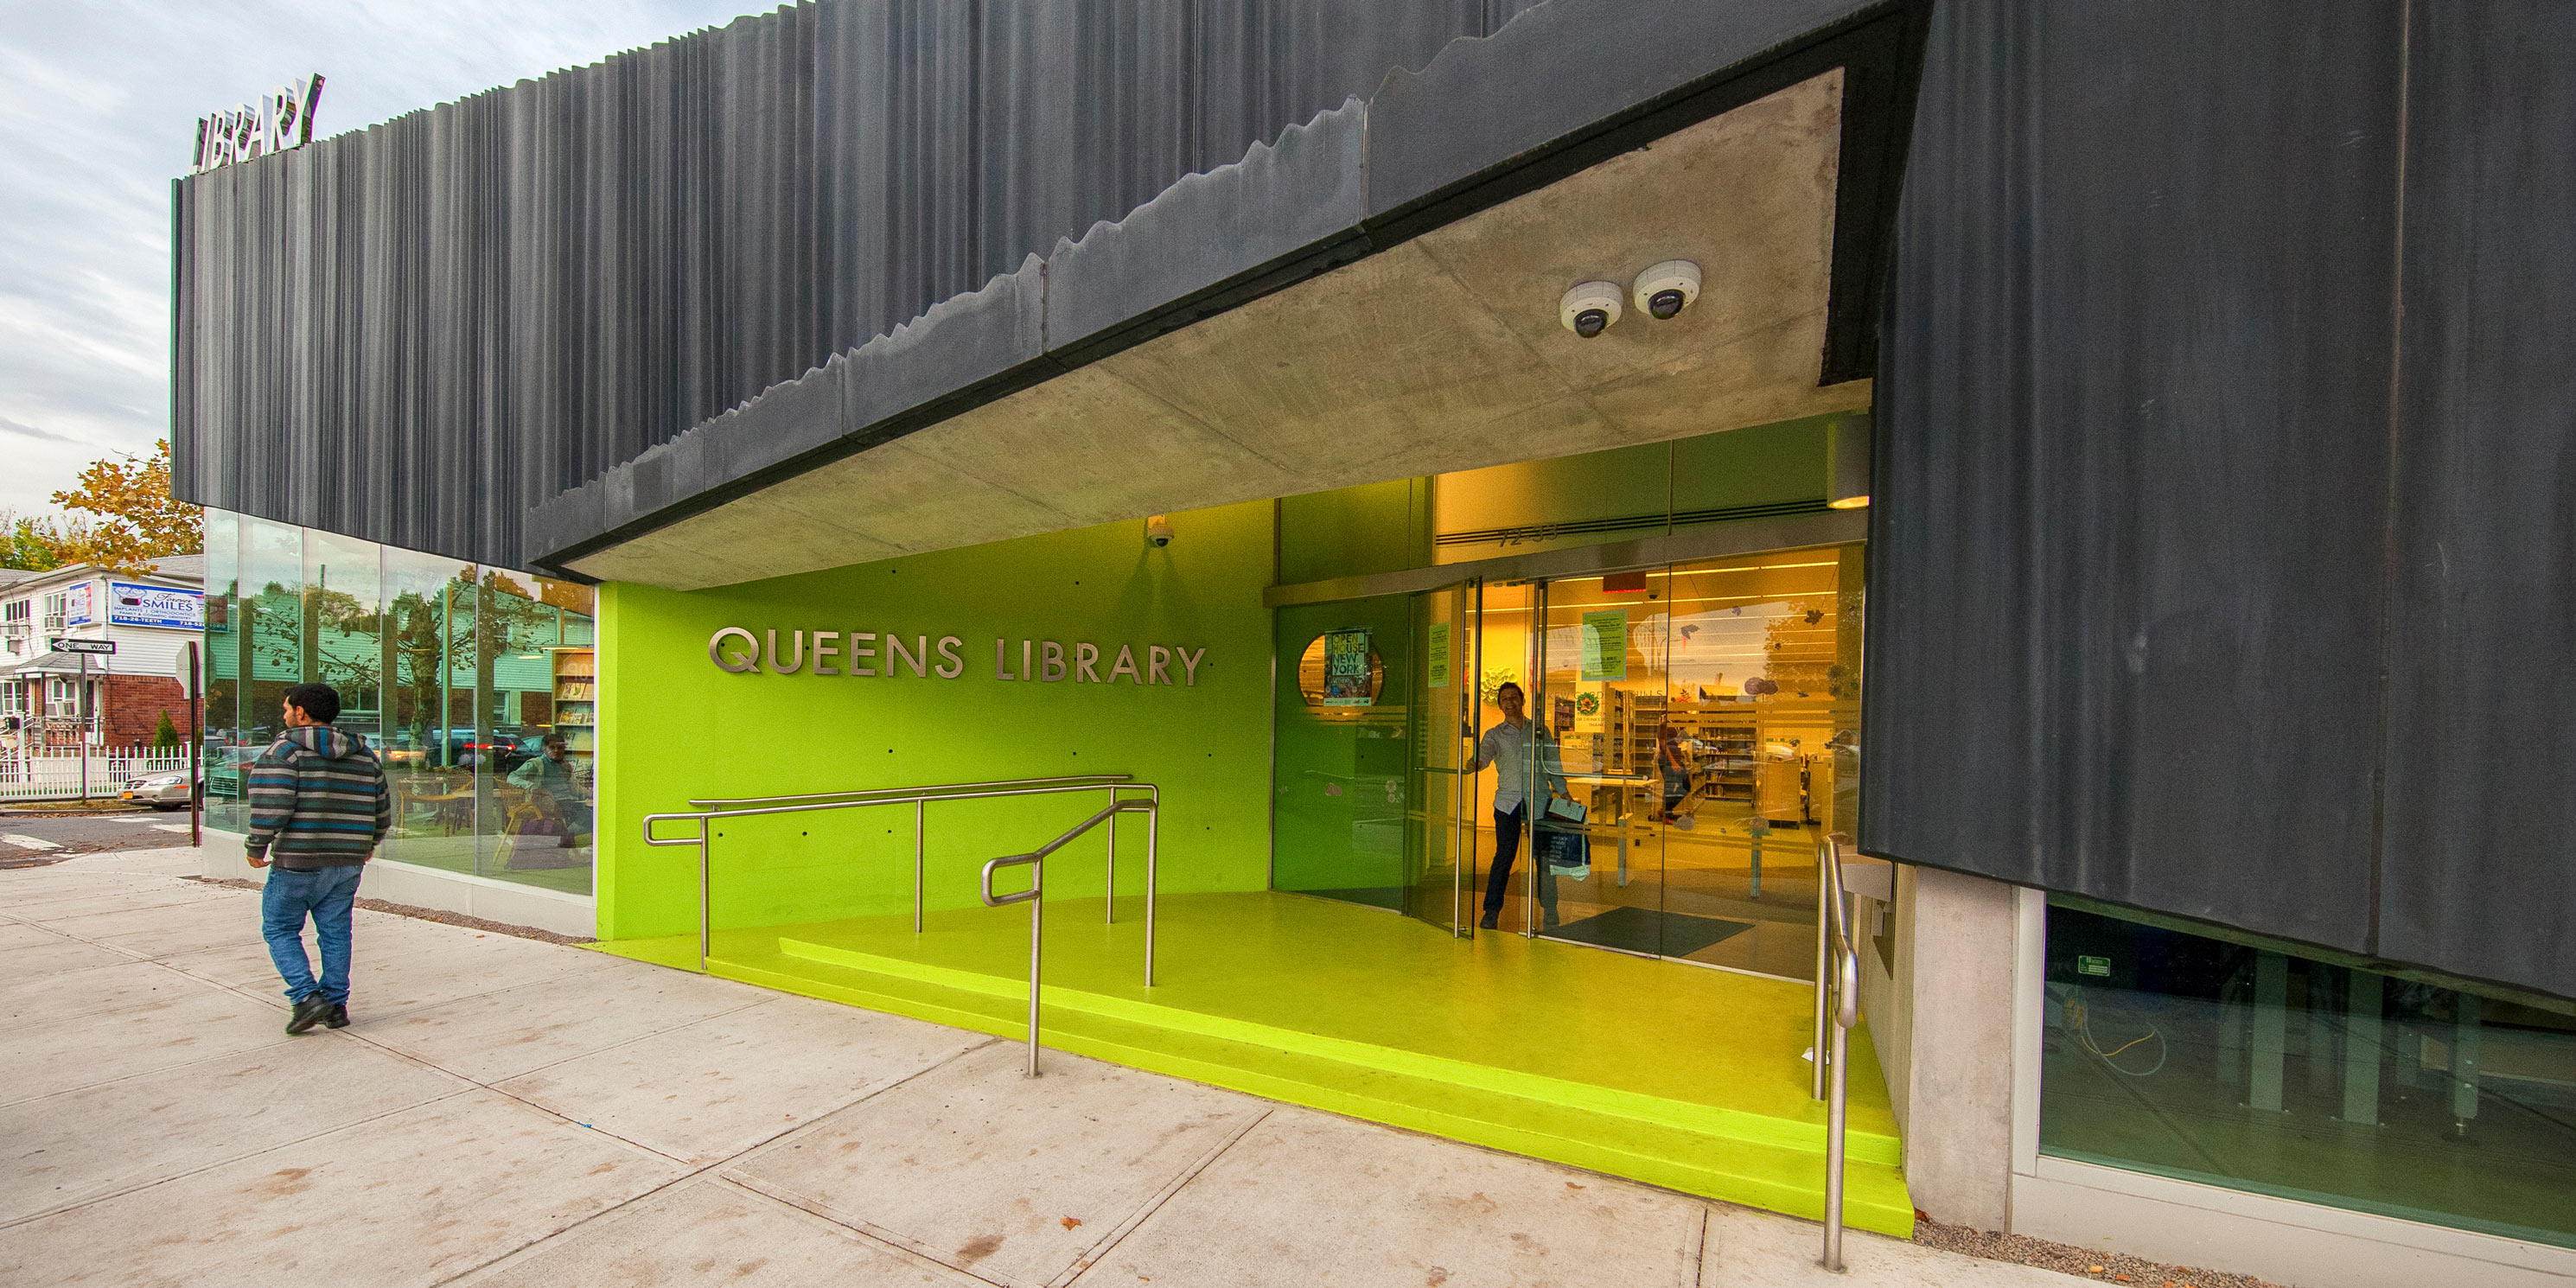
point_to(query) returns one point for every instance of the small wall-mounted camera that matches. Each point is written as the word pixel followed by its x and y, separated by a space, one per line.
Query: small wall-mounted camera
pixel 1590 308
pixel 1664 290
pixel 1158 531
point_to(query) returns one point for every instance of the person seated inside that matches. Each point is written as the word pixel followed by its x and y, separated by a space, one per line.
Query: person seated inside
pixel 559 787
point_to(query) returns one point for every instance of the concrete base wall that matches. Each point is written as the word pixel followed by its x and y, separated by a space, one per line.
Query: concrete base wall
pixel 2301 1245
pixel 1950 1077
pixel 502 901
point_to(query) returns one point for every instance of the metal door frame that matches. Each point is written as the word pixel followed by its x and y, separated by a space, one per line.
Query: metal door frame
pixel 1469 681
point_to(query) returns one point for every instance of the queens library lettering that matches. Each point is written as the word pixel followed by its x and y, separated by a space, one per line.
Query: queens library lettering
pixel 857 653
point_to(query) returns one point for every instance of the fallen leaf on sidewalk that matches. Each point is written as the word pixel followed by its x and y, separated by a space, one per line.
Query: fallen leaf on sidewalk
pixel 1071 1221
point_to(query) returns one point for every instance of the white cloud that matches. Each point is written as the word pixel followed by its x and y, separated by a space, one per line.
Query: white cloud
pixel 98 109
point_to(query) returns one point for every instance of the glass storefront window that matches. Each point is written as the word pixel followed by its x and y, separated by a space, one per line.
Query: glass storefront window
pixel 427 742
pixel 2262 1067
pixel 223 734
pixel 457 675
pixel 343 609
pixel 265 650
pixel 534 794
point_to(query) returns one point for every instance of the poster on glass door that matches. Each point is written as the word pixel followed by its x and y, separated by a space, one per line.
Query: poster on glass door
pixel 1346 669
pixel 1605 645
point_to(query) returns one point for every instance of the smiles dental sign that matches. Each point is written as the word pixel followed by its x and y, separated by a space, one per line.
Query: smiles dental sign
pixel 281 119
pixel 866 653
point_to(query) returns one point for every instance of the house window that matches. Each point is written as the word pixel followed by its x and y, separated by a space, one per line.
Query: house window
pixel 13 698
pixel 17 625
pixel 57 607
pixel 62 698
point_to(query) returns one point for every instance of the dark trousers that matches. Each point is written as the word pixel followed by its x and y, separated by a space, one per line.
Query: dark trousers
pixel 1507 847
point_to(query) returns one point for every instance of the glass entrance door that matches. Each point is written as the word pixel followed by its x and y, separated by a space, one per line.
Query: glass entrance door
pixel 1440 846
pixel 1701 726
pixel 1596 814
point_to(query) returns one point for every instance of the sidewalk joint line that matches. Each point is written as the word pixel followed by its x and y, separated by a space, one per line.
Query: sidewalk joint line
pixel 1117 1234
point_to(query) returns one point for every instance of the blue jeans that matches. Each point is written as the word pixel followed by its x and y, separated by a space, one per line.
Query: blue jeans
pixel 326 894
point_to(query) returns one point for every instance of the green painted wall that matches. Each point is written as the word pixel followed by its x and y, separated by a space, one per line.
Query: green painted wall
pixel 1761 465
pixel 675 726
pixel 1386 527
pixel 1355 531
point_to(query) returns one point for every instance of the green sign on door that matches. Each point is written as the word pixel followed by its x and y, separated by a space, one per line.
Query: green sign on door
pixel 1605 645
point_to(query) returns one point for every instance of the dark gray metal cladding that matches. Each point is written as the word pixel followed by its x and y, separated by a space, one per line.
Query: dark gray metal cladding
pixel 480 313
pixel 2480 732
pixel 2170 604
pixel 418 332
pixel 1350 180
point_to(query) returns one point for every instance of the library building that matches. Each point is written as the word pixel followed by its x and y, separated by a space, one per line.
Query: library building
pixel 1876 610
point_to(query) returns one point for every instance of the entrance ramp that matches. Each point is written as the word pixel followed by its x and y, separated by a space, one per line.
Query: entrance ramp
pixel 1674 1075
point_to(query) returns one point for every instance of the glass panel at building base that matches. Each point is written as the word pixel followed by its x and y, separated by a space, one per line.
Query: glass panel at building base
pixel 2259 1069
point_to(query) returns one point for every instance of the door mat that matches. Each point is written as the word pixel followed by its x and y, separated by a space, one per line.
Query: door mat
pixel 1374 896
pixel 1644 930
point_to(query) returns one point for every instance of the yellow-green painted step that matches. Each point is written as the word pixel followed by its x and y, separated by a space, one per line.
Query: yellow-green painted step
pixel 1670 1074
pixel 1713 1120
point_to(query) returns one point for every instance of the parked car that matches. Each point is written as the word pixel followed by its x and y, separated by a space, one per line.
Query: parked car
pixel 160 791
pixel 496 752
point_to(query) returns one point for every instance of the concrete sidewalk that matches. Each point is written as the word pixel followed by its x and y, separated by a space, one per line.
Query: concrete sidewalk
pixel 505 1112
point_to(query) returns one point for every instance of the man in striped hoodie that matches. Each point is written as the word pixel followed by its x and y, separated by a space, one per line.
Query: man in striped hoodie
pixel 318 809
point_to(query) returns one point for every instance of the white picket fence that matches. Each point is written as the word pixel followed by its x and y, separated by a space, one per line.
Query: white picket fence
pixel 54 773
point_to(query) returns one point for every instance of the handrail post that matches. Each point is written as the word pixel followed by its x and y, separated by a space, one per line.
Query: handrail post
pixel 920 817
pixel 1834 1112
pixel 1037 936
pixel 1838 969
pixel 1816 1045
pixel 706 830
pixel 1153 827
pixel 1035 898
pixel 1109 884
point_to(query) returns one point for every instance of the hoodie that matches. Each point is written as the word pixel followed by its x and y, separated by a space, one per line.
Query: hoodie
pixel 318 800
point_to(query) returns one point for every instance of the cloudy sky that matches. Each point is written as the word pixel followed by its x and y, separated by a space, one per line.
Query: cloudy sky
pixel 98 109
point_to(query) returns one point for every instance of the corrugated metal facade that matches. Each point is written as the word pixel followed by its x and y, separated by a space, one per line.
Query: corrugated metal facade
pixel 2220 560
pixel 416 333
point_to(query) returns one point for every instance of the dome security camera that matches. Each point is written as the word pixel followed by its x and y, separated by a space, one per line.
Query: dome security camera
pixel 1158 531
pixel 1664 290
pixel 1589 309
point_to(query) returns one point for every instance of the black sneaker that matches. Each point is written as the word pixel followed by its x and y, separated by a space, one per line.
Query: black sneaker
pixel 309 1011
pixel 338 1018
pixel 1492 920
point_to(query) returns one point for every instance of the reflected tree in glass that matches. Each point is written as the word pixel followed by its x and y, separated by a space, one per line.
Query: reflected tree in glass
pixel 225 786
pixel 427 657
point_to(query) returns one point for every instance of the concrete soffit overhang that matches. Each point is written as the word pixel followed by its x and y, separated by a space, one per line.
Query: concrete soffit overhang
pixel 1373 297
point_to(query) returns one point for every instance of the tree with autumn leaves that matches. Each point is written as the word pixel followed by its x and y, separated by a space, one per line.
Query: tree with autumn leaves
pixel 122 517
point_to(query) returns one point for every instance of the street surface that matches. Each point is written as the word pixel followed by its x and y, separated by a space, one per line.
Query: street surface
pixel 507 1112
pixel 36 838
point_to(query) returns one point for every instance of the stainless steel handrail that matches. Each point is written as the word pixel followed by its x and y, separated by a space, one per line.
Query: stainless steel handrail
pixel 919 798
pixel 1102 780
pixel 1035 895
pixel 1837 974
